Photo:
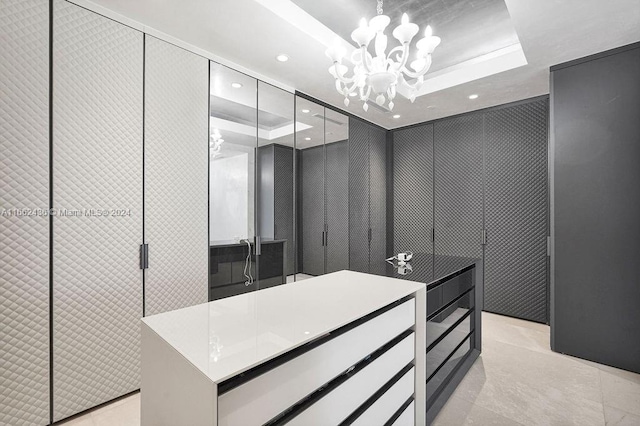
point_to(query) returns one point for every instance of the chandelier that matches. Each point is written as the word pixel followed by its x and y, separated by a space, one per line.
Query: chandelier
pixel 215 144
pixel 385 73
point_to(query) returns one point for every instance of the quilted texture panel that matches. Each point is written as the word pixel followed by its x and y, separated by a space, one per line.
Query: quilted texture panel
pixel 358 196
pixel 517 211
pixel 377 200
pixel 458 188
pixel 97 140
pixel 413 189
pixel 283 201
pixel 176 177
pixel 312 202
pixel 337 200
pixel 24 183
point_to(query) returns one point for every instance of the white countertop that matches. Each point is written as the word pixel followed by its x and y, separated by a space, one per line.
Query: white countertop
pixel 226 337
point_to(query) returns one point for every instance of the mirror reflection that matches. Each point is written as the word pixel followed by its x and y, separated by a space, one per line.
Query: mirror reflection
pixel 251 207
pixel 275 182
pixel 323 189
pixel 232 151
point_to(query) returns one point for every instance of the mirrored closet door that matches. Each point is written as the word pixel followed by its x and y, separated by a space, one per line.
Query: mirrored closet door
pixel 322 150
pixel 274 186
pixel 233 140
pixel 251 187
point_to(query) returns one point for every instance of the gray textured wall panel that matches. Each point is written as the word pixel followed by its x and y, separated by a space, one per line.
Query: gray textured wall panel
pixel 24 183
pixel 458 188
pixel 377 200
pixel 358 196
pixel 176 176
pixel 516 211
pixel 413 189
pixel 283 204
pixel 337 205
pixel 312 201
pixel 97 140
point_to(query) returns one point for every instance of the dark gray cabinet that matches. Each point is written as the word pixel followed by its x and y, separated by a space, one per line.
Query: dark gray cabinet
pixel 516 211
pixel 476 178
pixel 367 197
pixel 324 202
pixel 377 199
pixel 358 196
pixel 275 198
pixel 413 189
pixel 458 189
pixel 596 206
pixel 337 206
pixel 311 220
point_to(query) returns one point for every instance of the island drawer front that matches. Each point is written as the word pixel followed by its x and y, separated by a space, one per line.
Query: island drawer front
pixel 407 418
pixel 264 397
pixel 386 406
pixel 338 404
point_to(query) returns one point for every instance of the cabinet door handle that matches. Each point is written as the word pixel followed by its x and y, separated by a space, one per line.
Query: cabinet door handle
pixel 322 238
pixel 144 256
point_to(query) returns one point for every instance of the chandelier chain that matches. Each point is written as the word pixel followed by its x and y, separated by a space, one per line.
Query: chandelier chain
pixel 379 8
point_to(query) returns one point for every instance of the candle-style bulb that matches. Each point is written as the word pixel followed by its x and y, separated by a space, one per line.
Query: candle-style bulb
pixel 405 19
pixel 363 23
pixel 428 32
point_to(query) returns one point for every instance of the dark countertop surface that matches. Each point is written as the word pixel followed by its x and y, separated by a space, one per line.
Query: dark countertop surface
pixel 232 243
pixel 429 268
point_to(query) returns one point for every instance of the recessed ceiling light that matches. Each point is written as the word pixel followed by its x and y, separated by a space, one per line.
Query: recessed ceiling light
pixel 236 85
pixel 282 58
pixel 307 139
pixel 306 111
pixel 473 96
pixel 396 116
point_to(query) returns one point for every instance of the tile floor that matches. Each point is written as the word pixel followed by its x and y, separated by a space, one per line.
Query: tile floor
pixel 516 381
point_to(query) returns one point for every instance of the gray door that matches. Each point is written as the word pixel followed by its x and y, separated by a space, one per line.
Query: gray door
pixel 97 164
pixel 413 191
pixel 458 196
pixel 516 211
pixel 596 133
pixel 312 202
pixel 337 200
pixel 377 200
pixel 358 196
pixel 283 202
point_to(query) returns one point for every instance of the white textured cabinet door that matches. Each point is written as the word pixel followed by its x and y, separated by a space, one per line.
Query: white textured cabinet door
pixel 97 164
pixel 24 183
pixel 176 176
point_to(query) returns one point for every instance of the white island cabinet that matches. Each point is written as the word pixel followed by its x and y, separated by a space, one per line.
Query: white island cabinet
pixel 345 347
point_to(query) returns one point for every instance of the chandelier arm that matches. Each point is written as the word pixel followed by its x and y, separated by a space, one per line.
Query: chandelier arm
pixel 405 56
pixel 414 86
pixel 394 50
pixel 364 97
pixel 345 80
pixel 351 89
pixel 418 74
pixel 366 60
pixel 344 88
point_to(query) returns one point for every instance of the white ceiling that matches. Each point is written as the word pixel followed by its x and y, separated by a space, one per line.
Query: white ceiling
pixel 247 35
